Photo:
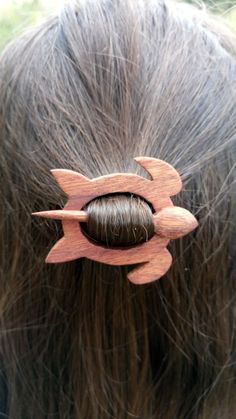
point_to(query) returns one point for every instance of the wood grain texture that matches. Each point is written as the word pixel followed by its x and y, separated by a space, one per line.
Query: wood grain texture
pixel 174 222
pixel 170 222
pixel 80 216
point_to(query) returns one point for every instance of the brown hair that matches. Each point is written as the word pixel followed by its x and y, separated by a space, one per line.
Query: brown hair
pixel 89 90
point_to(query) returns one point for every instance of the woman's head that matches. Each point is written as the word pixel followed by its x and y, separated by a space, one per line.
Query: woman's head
pixel 89 90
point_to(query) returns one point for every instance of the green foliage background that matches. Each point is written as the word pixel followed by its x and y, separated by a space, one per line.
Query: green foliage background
pixel 17 15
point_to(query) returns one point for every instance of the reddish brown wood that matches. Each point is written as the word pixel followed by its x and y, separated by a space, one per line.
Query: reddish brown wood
pixel 170 222
pixel 174 222
pixel 80 216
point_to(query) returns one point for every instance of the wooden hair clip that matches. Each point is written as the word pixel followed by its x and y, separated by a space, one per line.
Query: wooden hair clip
pixel 170 222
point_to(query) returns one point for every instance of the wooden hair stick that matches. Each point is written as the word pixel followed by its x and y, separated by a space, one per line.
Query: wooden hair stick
pixel 80 216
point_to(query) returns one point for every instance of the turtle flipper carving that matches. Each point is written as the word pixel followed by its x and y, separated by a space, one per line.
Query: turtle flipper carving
pixel 153 269
pixel 61 251
pixel 166 178
pixel 70 182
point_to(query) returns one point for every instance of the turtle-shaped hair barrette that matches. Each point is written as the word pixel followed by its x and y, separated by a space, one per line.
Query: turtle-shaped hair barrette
pixel 170 222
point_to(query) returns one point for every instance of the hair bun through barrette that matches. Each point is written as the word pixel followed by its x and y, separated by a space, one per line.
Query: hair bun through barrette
pixel 119 220
pixel 119 232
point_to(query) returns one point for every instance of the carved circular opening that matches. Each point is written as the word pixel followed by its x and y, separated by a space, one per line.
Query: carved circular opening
pixel 118 220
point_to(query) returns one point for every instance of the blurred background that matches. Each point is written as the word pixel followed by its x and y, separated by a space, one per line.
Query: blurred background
pixel 17 15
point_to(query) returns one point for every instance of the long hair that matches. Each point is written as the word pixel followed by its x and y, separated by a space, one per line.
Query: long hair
pixel 89 90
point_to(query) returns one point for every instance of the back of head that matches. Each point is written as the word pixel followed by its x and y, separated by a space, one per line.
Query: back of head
pixel 89 90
